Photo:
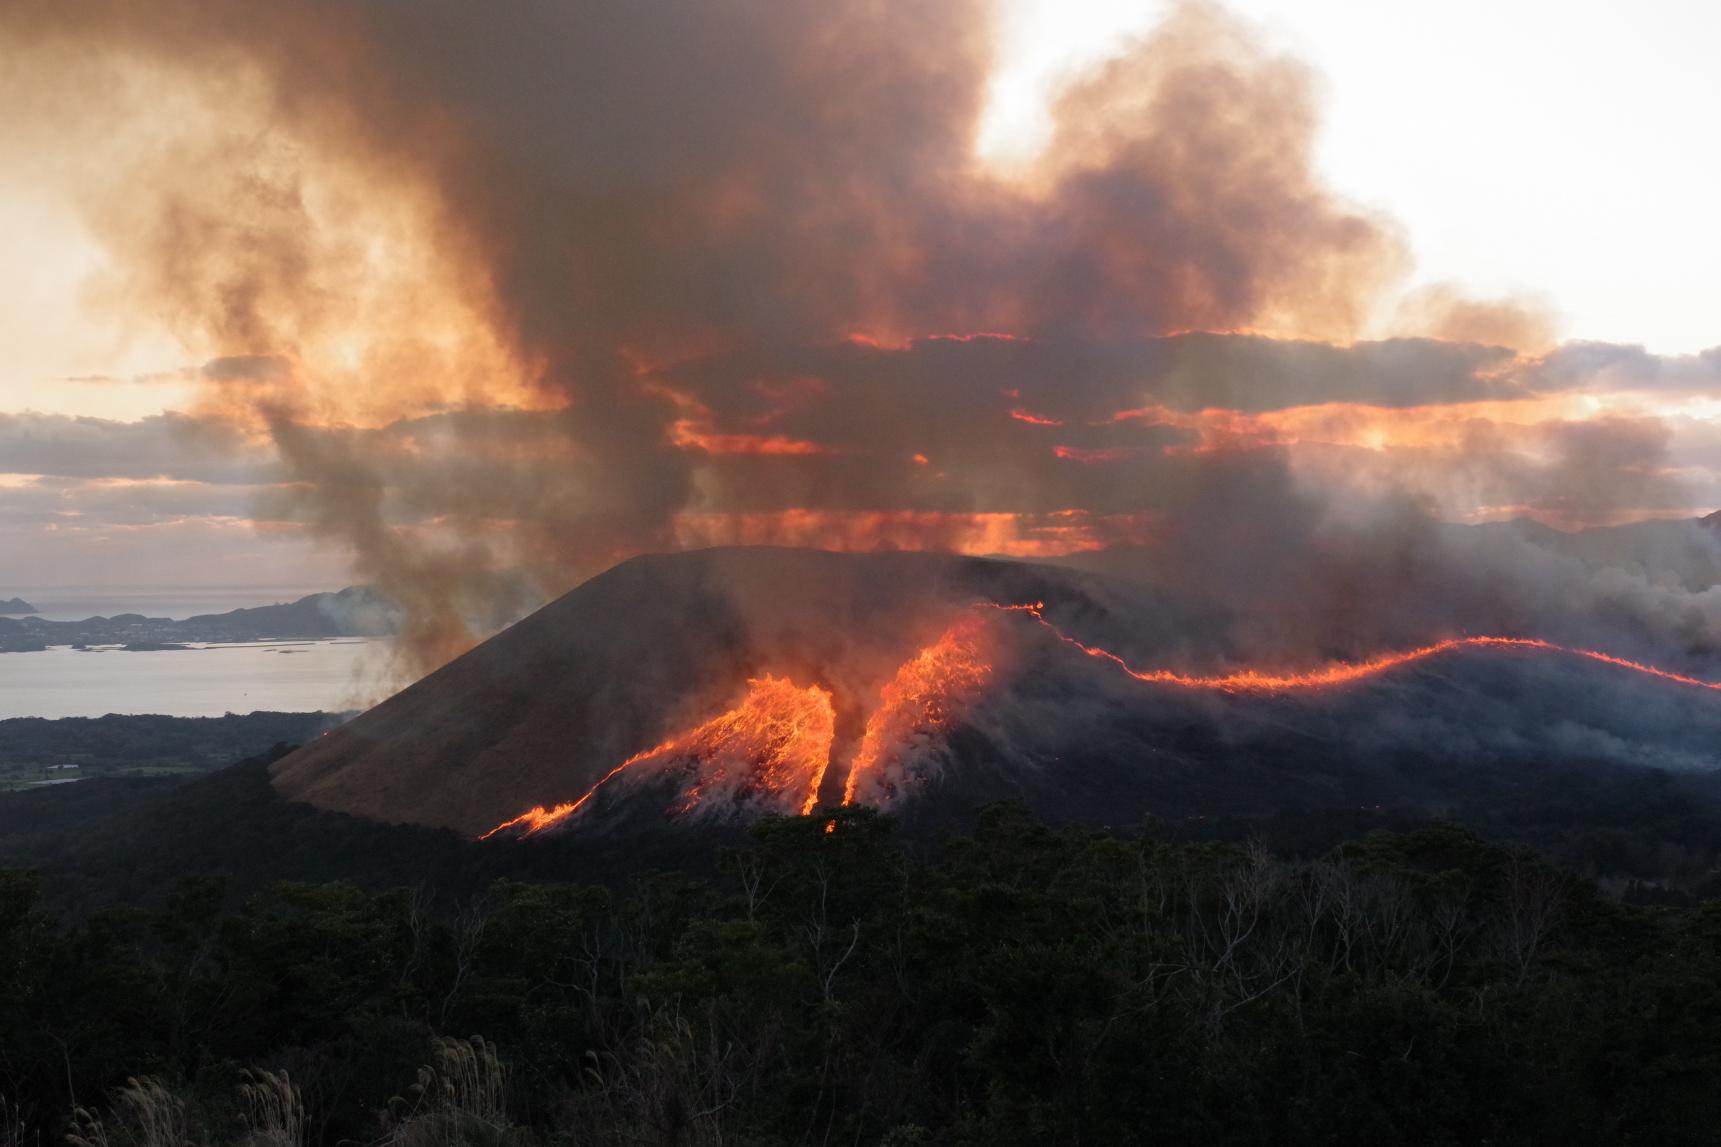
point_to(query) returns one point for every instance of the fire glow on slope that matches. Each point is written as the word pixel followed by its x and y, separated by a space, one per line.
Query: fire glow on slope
pixel 1342 672
pixel 922 698
pixel 771 750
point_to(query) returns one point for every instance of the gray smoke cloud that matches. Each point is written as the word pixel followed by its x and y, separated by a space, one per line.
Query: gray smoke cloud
pixel 616 186
pixel 548 285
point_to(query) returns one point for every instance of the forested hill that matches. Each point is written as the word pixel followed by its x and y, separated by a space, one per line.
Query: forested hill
pixel 1644 836
pixel 1016 985
pixel 37 751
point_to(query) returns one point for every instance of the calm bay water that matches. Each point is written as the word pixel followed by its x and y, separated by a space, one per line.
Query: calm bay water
pixel 204 681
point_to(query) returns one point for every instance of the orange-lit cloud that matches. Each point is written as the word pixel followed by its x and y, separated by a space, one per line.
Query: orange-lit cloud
pixel 547 286
pixel 1004 533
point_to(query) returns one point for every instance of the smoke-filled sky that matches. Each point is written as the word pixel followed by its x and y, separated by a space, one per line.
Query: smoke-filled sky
pixel 1552 147
pixel 415 293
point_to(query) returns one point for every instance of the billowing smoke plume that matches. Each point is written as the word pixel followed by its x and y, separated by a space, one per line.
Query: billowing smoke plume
pixel 544 285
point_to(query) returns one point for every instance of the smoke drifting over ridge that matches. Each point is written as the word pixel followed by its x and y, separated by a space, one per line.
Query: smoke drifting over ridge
pixel 548 285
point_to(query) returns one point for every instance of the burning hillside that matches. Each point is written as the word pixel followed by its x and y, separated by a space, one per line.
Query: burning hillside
pixel 768 754
pixel 723 681
pixel 526 291
pixel 919 703
pixel 729 684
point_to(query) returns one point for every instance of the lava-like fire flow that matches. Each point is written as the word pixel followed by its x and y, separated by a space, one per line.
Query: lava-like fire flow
pixel 772 749
pixel 1342 672
pixel 775 745
pixel 925 694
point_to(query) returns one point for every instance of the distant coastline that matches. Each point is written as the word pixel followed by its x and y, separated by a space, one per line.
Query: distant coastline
pixel 16 606
pixel 37 752
pixel 357 611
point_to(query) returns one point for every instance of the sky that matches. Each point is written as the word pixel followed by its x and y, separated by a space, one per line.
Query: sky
pixel 1539 171
pixel 1554 148
pixel 1549 149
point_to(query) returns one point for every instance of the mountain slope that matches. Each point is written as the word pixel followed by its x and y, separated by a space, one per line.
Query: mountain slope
pixel 714 686
pixel 655 645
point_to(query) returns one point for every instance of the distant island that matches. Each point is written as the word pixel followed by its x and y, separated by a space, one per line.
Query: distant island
pixel 16 606
pixel 357 611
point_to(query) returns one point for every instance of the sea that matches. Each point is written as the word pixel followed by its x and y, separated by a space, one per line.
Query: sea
pixel 201 681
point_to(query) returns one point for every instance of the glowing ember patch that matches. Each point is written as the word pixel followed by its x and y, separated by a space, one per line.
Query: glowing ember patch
pixel 1343 672
pixel 771 750
pixel 928 691
pixel 684 433
pixel 900 342
pixel 979 336
pixel 876 342
pixel 1096 456
pixel 1044 534
pixel 1241 332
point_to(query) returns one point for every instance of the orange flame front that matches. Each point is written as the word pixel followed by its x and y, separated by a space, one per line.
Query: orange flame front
pixel 923 697
pixel 771 749
pixel 775 745
pixel 1340 672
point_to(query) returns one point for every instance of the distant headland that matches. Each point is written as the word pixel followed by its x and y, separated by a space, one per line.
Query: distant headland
pixel 357 611
pixel 16 607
